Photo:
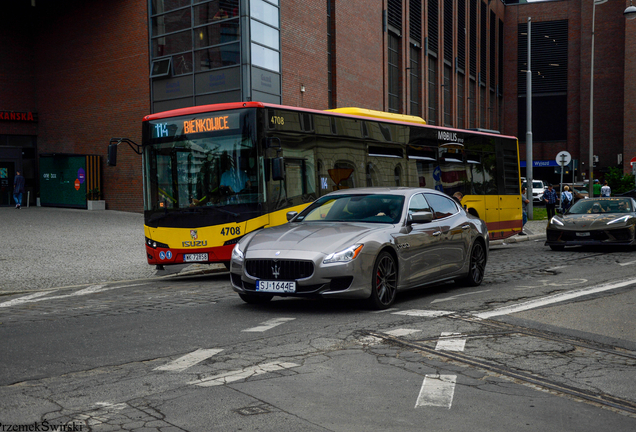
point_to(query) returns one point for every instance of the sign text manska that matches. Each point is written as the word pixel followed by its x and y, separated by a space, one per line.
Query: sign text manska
pixel 18 116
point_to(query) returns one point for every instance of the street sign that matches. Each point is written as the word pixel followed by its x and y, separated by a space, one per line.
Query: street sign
pixel 633 161
pixel 563 158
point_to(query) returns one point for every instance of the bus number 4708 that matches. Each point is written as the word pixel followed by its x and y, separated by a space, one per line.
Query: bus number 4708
pixel 231 231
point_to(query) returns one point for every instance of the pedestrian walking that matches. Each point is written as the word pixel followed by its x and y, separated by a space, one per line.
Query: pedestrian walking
pixel 524 208
pixel 605 190
pixel 566 198
pixel 550 198
pixel 18 189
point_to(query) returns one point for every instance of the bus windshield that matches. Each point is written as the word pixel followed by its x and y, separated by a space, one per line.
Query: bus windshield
pixel 212 176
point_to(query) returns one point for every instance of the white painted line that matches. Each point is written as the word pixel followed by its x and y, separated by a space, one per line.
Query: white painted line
pixel 402 332
pixel 385 310
pixel 437 390
pixel 232 376
pixel 557 298
pixel 269 324
pixel 188 360
pixel 90 290
pixel 25 299
pixel 627 263
pixel 37 297
pixel 451 342
pixel 423 313
pixel 458 295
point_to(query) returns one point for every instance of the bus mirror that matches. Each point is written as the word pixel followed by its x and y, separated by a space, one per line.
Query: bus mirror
pixel 112 154
pixel 278 168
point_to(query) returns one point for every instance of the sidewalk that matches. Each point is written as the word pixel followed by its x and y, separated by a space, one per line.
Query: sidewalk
pixel 534 230
pixel 48 247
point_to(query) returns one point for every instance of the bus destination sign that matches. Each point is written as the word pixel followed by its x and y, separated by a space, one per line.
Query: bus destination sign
pixel 214 123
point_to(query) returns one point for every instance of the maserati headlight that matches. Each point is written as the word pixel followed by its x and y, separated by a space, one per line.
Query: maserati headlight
pixel 237 253
pixel 620 219
pixel 343 256
pixel 555 220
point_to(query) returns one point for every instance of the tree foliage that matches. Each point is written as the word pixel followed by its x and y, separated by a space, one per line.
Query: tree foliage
pixel 618 181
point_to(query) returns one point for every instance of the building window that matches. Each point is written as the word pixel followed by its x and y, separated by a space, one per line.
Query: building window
pixel 448 105
pixel 415 76
pixel 394 73
pixel 432 90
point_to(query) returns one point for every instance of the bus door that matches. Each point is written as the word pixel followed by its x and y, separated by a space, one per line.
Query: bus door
pixel 492 216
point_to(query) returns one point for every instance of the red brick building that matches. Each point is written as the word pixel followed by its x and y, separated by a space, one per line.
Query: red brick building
pixel 77 72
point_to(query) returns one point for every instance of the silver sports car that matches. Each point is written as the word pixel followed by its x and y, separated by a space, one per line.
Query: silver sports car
pixel 366 243
pixel 596 221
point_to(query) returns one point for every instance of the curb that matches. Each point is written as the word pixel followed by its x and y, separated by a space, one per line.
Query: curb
pixel 517 239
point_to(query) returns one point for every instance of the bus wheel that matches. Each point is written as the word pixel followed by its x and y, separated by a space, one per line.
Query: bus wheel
pixel 255 299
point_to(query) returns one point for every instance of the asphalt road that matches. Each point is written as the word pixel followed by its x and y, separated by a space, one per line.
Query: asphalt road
pixel 547 342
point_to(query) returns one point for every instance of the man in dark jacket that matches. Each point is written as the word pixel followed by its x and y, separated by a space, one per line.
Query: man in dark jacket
pixel 550 198
pixel 18 189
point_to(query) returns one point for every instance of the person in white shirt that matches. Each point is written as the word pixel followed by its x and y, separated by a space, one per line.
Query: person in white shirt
pixel 605 190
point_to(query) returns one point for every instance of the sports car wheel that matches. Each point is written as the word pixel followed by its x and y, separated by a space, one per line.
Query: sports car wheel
pixel 383 282
pixel 477 266
pixel 256 299
pixel 557 247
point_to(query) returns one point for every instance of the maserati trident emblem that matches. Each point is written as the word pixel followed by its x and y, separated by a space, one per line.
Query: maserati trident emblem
pixel 276 270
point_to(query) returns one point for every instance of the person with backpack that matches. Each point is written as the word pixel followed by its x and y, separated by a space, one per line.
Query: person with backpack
pixel 566 198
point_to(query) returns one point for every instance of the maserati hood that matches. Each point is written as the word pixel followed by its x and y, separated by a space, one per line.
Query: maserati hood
pixel 321 237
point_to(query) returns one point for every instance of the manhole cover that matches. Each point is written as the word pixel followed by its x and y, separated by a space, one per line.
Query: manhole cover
pixel 252 410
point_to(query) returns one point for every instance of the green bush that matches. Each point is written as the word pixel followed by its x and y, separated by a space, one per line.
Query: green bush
pixel 618 181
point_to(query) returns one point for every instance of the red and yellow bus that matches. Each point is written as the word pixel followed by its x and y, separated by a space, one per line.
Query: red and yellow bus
pixel 214 173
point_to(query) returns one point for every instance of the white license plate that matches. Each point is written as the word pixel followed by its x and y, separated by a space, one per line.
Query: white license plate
pixel 275 286
pixel 195 257
pixel 582 234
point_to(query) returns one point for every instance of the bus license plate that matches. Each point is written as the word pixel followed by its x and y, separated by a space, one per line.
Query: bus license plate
pixel 275 286
pixel 195 257
pixel 582 234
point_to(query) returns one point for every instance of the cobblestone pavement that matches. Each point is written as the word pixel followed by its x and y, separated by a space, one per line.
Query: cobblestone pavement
pixel 47 247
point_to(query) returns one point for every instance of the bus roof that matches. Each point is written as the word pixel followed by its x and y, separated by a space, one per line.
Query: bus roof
pixel 344 112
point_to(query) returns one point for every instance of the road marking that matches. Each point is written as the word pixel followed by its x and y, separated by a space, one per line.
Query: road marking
pixel 269 324
pixel 437 390
pixel 557 298
pixel 233 376
pixel 423 313
pixel 188 360
pixel 385 310
pixel 25 299
pixel 627 263
pixel 451 342
pixel 458 295
pixel 37 297
pixel 546 282
pixel 402 332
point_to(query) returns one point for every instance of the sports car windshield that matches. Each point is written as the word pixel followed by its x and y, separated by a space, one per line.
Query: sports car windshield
pixel 355 208
pixel 592 206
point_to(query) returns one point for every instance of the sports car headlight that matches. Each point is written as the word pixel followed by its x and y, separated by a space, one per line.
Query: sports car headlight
pixel 620 219
pixel 237 253
pixel 556 221
pixel 346 255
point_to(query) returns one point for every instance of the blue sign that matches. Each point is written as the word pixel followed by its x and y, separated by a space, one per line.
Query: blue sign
pixel 540 164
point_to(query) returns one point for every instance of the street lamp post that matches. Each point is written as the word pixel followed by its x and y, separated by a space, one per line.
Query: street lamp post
pixel 591 184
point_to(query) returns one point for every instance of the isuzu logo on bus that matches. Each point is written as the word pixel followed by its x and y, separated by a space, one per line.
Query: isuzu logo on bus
pixel 194 234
